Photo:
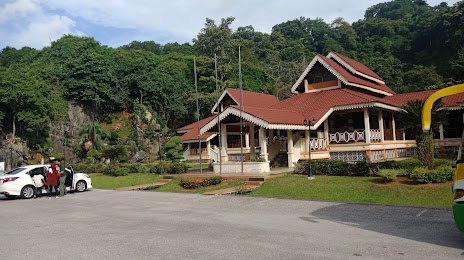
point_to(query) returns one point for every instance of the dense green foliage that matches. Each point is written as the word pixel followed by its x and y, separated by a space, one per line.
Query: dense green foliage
pixel 440 174
pixel 411 45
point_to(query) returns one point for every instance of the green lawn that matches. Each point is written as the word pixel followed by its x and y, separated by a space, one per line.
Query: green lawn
pixel 355 189
pixel 110 182
pixel 173 185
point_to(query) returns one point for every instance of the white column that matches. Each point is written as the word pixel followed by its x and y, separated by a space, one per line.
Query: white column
pixel 224 156
pixel 404 135
pixel 263 143
pixel 382 132
pixel 308 140
pixel 394 126
pixel 208 152
pixel 442 134
pixel 247 140
pixel 326 130
pixel 306 86
pixel 290 148
pixel 189 146
pixel 367 126
pixel 252 141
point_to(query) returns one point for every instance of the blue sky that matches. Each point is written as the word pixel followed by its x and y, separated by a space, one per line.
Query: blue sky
pixel 35 23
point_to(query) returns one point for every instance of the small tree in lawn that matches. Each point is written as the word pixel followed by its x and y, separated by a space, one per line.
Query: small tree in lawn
pixel 411 121
pixel 115 153
pixel 174 149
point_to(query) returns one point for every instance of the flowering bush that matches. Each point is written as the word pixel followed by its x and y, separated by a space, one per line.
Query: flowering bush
pixel 189 183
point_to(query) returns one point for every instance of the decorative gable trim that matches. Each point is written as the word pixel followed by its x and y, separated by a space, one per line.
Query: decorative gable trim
pixel 236 112
pixel 370 89
pixel 351 69
pixel 214 109
pixel 201 140
pixel 311 65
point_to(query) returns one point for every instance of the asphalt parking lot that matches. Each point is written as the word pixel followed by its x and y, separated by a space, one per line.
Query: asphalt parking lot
pixel 108 224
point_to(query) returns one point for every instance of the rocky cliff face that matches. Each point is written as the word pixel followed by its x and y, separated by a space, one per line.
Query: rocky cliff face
pixel 16 153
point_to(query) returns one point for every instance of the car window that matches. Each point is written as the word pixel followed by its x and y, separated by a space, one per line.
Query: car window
pixel 15 171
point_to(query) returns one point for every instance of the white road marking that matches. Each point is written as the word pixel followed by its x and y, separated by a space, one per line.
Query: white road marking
pixel 420 213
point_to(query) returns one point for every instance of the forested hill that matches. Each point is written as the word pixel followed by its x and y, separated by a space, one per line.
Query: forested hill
pixel 410 44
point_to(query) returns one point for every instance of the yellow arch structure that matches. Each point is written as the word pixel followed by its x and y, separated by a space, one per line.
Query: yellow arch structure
pixel 427 110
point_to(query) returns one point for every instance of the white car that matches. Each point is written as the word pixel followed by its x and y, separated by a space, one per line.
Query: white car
pixel 18 182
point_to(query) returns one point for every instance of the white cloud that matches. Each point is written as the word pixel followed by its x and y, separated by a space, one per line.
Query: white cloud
pixel 25 23
pixel 160 20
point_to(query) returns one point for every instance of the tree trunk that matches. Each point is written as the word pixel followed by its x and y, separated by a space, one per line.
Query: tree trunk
pixel 425 149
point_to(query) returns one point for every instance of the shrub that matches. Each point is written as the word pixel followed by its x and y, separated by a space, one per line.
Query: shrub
pixel 328 167
pixel 109 170
pixel 121 171
pixel 390 174
pixel 176 168
pixel 339 168
pixel 155 168
pixel 361 168
pixel 94 153
pixel 189 183
pixel 441 174
pixel 437 163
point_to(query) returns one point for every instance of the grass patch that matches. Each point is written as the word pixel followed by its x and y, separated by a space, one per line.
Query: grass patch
pixel 110 182
pixel 355 189
pixel 173 185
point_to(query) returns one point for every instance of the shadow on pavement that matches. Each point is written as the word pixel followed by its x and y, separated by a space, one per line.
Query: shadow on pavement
pixel 430 225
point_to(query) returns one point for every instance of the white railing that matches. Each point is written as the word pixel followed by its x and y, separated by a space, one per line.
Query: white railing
pixel 316 144
pixel 355 136
pixel 347 136
pixel 376 135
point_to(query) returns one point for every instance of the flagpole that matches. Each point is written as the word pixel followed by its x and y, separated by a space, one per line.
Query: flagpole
pixel 241 103
pixel 218 111
pixel 198 111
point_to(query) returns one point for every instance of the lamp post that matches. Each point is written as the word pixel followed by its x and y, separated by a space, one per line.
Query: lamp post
pixel 159 135
pixel 309 124
pixel 64 153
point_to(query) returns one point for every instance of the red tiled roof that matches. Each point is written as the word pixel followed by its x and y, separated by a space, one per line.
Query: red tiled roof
pixel 193 135
pixel 253 99
pixel 359 66
pixel 402 99
pixel 317 104
pixel 195 125
pixel 353 79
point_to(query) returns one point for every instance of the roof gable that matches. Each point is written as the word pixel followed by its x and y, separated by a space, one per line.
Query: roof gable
pixel 355 67
pixel 249 98
pixel 345 76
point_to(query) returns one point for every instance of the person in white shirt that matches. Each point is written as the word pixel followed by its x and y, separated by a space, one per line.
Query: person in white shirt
pixel 39 182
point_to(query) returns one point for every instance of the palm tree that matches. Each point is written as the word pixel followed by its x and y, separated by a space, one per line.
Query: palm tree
pixel 410 120
pixel 95 138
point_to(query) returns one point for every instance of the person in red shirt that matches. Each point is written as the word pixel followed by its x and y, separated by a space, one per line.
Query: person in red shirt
pixel 52 176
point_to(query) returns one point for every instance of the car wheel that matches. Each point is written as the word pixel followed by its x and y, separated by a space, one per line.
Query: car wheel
pixel 27 192
pixel 81 186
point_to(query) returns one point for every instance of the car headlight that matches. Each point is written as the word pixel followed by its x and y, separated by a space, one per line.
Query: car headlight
pixel 86 176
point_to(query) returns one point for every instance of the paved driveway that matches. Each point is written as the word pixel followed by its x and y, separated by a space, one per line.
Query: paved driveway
pixel 107 224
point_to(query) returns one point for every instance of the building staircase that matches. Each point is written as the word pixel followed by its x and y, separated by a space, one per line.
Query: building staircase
pixel 281 160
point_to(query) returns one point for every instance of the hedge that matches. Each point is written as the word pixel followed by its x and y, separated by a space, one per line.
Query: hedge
pixel 189 183
pixel 168 168
pixel 362 168
pixel 440 174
